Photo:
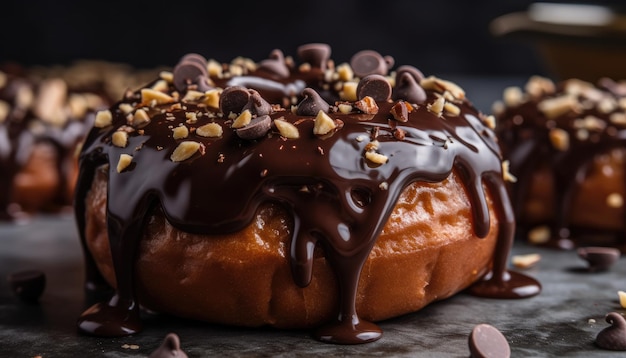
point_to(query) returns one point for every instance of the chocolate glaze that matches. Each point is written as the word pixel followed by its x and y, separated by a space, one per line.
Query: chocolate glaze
pixel 524 133
pixel 338 198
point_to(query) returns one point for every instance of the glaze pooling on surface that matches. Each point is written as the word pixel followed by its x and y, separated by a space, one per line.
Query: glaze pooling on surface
pixel 340 186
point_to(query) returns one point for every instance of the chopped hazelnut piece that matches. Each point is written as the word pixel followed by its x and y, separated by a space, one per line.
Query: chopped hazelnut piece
pixel 180 132
pixel 437 106
pixel 451 109
pixel 622 298
pixel 348 92
pixel 615 200
pixel 4 110
pixel 242 120
pixel 160 85
pixel 167 76
pixel 212 98
pixel 184 151
pixel 607 105
pixel 506 174
pixel 192 95
pixel 400 111
pixel 367 105
pixel 490 121
pixel 214 68
pixel 538 86
pixel 120 139
pixel 140 117
pixel 103 119
pixel 323 124
pixel 554 107
pixel 345 72
pixel 539 235
pixel 149 95
pixel 618 118
pixel 376 157
pixel 126 108
pixel 559 139
pixel 123 162
pixel 345 108
pixel 192 117
pixel 211 130
pixel 525 261
pixel 286 129
pixel 498 107
pixel 440 85
pixel 513 96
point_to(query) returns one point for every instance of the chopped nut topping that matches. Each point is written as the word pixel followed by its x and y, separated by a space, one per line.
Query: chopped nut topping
pixel 126 108
pixel 554 107
pixel 367 105
pixel 489 121
pixel 506 174
pixel 451 109
pixel 180 132
pixel 184 151
pixel 149 96
pixel 192 96
pixel 399 134
pixel 123 162
pixel 559 139
pixel 383 186
pixel 607 105
pixel 345 108
pixel 212 98
pixel 192 117
pixel 214 68
pixel 376 157
pixel 361 138
pixel 103 119
pixel 618 118
pixel 437 106
pixel 539 235
pixel 615 200
pixel 348 92
pixel 440 85
pixel 345 72
pixel 167 76
pixel 400 111
pixel 622 298
pixel 538 86
pixel 513 96
pixel 242 120
pixel 323 124
pixel 372 146
pixel 141 117
pixel 498 108
pixel 286 129
pixel 525 261
pixel 4 110
pixel 120 139
pixel 211 130
pixel 161 86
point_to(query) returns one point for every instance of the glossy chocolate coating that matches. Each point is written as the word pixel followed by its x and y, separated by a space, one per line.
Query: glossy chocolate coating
pixel 338 198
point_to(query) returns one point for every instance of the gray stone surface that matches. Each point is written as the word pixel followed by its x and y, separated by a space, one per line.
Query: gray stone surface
pixel 562 321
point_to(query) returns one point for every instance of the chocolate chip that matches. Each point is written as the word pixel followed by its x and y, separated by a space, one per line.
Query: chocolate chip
pixel 275 64
pixel 203 83
pixel 256 104
pixel 257 128
pixel 408 89
pixel 311 104
pixel 188 69
pixel 417 74
pixel 614 336
pixel 487 341
pixel 233 99
pixel 28 285
pixel 599 258
pixel 375 86
pixel 316 54
pixel 170 347
pixel 368 62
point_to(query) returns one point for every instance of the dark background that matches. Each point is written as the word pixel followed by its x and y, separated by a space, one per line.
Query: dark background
pixel 437 36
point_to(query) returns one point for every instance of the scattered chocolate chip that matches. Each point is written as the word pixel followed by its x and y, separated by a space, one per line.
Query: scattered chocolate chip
pixel 487 341
pixel 599 258
pixel 257 128
pixel 188 69
pixel 233 99
pixel 311 104
pixel 256 104
pixel 203 83
pixel 28 285
pixel 414 72
pixel 275 64
pixel 169 348
pixel 369 62
pixel 408 89
pixel 375 86
pixel 316 54
pixel 614 336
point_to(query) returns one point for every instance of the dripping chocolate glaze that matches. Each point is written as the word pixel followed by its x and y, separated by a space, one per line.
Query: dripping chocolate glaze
pixel 320 179
pixel 524 131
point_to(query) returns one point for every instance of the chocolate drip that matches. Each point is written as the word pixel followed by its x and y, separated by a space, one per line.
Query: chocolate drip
pixel 314 178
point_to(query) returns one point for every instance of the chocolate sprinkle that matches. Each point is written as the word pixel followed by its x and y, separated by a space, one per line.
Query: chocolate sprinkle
pixel 486 341
pixel 614 336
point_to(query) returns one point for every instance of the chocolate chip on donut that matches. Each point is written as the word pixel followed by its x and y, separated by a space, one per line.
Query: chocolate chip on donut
pixel 312 103
pixel 233 99
pixel 375 86
pixel 315 54
pixel 369 62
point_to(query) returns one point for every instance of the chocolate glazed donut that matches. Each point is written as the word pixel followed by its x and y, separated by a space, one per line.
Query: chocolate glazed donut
pixel 208 161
